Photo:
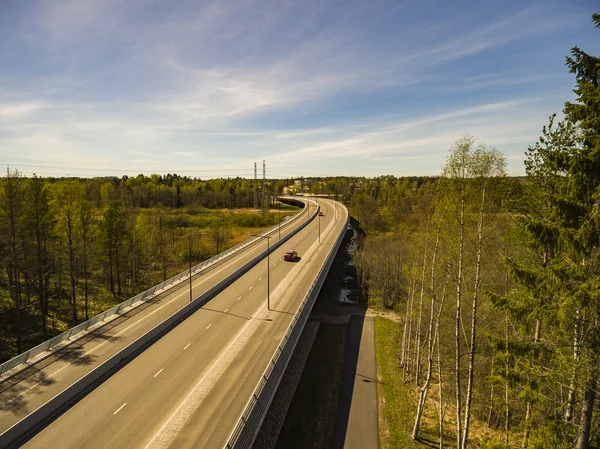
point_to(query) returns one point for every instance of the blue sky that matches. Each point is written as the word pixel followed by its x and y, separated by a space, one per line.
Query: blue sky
pixel 314 87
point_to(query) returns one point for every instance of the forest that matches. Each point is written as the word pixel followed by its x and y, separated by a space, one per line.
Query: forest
pixel 71 248
pixel 496 281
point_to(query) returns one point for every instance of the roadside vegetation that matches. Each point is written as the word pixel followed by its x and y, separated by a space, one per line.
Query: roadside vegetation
pixel 72 248
pixel 497 283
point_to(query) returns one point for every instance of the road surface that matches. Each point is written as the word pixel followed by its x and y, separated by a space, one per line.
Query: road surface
pixel 190 387
pixel 30 388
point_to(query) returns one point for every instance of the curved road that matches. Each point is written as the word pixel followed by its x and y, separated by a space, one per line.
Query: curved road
pixel 31 385
pixel 189 388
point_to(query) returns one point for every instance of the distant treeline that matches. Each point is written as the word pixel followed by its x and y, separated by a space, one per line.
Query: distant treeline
pixel 71 248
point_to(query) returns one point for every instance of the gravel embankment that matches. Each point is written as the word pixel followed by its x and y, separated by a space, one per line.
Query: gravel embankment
pixel 269 431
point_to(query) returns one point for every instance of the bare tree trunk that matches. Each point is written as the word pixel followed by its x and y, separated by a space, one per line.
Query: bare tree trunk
pixel 432 337
pixel 506 397
pixel 419 320
pixel 111 279
pixel 440 388
pixel 40 272
pixel 133 258
pixel 72 267
pixel 405 335
pixel 529 407
pixel 85 273
pixel 409 318
pixel 583 439
pixel 162 247
pixel 11 202
pixel 473 341
pixel 117 258
pixel 572 390
pixel 491 411
pixel 457 369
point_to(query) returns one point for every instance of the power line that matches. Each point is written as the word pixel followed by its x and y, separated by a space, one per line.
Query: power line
pixel 226 170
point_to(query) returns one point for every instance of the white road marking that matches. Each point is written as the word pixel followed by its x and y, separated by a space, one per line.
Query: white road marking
pixel 160 371
pixel 187 346
pixel 120 408
pixel 175 423
pixel 208 327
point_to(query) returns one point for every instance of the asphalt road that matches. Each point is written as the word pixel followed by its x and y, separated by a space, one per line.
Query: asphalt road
pixel 190 387
pixel 32 387
pixel 362 431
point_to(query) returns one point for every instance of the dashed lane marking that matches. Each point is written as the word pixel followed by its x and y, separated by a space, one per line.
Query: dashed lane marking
pixel 120 408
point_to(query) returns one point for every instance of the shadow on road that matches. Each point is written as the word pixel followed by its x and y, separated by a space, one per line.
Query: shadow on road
pixel 349 375
pixel 228 313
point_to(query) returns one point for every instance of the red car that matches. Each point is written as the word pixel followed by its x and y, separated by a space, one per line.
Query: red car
pixel 290 255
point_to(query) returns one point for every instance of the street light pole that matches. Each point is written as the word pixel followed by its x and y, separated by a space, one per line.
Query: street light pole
pixel 268 267
pixel 279 211
pixel 319 228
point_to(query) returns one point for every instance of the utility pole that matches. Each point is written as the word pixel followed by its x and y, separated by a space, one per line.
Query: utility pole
pixel 262 201
pixel 255 193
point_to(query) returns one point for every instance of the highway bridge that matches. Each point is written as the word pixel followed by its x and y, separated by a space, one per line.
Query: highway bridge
pixel 164 371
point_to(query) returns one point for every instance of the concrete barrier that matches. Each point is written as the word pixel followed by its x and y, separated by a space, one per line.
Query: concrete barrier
pixel 246 429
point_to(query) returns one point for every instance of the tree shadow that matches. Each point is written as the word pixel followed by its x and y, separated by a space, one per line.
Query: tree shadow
pixel 428 443
pixel 14 399
pixel 228 313
pixel 281 311
pixel 370 379
pixel 347 382
pixel 74 354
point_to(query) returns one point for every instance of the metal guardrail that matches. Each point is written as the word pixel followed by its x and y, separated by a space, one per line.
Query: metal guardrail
pixel 145 295
pixel 249 423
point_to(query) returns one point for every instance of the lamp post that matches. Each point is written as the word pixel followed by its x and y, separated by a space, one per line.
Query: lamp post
pixel 319 227
pixel 268 267
pixel 189 236
pixel 279 211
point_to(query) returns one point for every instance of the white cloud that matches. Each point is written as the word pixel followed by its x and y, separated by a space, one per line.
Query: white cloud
pixel 18 110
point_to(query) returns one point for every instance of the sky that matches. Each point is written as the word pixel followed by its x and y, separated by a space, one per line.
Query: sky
pixel 313 87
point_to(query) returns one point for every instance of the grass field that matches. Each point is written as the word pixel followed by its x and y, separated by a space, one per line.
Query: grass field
pixel 395 398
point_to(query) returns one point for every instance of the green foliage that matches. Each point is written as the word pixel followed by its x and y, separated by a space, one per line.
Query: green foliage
pixel 553 434
pixel 395 397
pixel 70 248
